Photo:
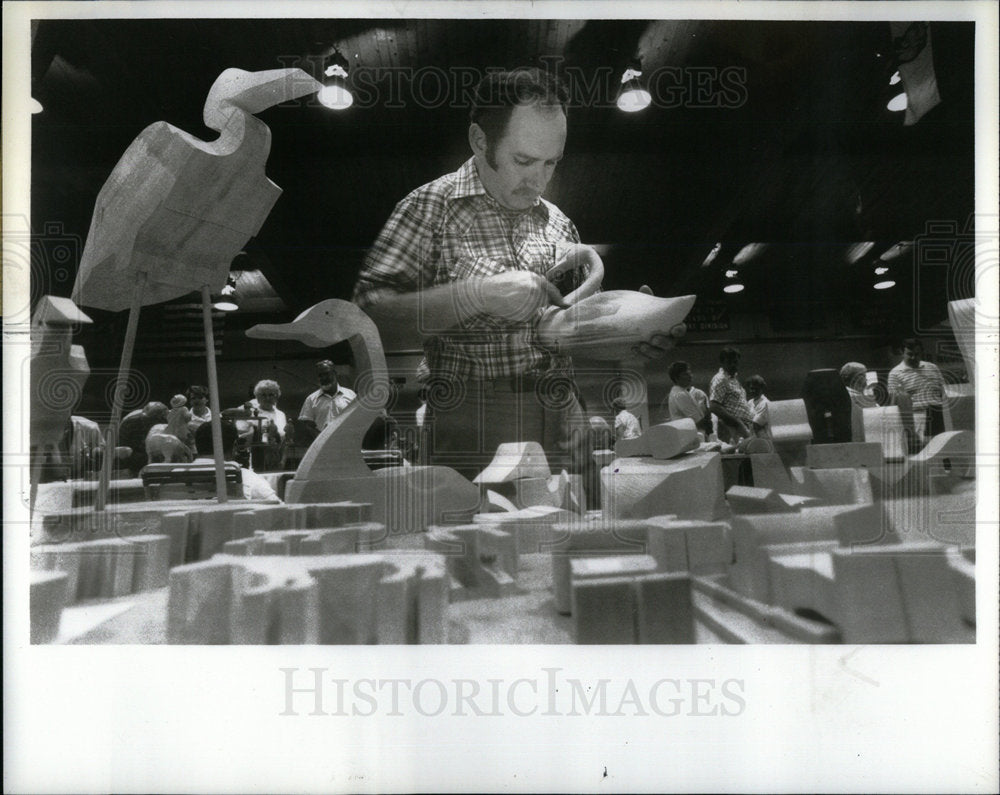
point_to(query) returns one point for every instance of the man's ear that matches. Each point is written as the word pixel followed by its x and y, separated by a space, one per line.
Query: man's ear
pixel 478 140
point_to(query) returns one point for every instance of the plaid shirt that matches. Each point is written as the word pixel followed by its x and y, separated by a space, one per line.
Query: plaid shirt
pixel 729 393
pixel 450 230
pixel 924 384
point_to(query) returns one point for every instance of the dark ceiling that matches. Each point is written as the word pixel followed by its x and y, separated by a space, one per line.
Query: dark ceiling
pixel 772 132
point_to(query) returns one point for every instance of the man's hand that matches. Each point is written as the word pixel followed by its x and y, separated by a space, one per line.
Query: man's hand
pixel 512 295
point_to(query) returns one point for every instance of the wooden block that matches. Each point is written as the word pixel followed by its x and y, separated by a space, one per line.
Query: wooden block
pixel 636 447
pixel 604 611
pixel 964 582
pixel 960 407
pixel 591 538
pixel 151 566
pixel 666 614
pixel 563 491
pixel 200 602
pixel 736 618
pixel 514 460
pixel 47 595
pixel 336 514
pixel 789 422
pixel 836 524
pixel 668 544
pixel 215 528
pixel 796 501
pixel 106 569
pixel 885 426
pixel 839 486
pixel 843 455
pixel 748 499
pixel 308 599
pixel 709 546
pixel 298 615
pixel 432 605
pixel 869 602
pixel 63 557
pixel 533 529
pixel 926 585
pixel 176 526
pixel 769 473
pixel 481 558
pixel 670 439
pixel 947 460
pixel 689 487
pixel 684 545
pixel 932 605
pixel 802 580
pixel 244 546
pixel 611 566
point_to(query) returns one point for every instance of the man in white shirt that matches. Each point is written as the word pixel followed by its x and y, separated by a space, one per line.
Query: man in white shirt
pixel 686 401
pixel 330 400
pixel 923 382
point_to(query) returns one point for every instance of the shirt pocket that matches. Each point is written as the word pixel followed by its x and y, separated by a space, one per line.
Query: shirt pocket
pixel 468 267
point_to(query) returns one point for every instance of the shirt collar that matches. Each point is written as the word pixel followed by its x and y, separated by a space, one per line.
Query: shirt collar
pixel 468 184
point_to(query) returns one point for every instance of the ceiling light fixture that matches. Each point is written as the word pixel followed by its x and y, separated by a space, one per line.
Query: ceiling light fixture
pixel 734 284
pixel 895 78
pixel 712 255
pixel 748 252
pixel 227 300
pixel 336 93
pixel 884 285
pixel 36 106
pixel 632 96
pixel 897 103
pixel 896 250
pixel 880 270
pixel 858 250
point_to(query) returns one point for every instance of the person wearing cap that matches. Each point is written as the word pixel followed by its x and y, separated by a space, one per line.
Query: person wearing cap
pixel 330 400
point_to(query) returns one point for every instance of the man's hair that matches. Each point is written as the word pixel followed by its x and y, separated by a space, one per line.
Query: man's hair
pixel 500 92
pixel 325 363
pixel 728 353
pixel 850 372
pixel 203 438
pixel 266 385
pixel 913 344
pixel 196 391
pixel 675 370
pixel 757 381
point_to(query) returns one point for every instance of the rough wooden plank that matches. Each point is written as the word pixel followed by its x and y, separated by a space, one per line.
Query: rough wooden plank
pixel 845 454
pixel 689 486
